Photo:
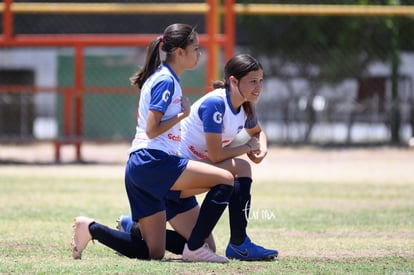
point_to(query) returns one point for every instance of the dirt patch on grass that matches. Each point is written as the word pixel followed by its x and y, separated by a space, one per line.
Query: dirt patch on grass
pixel 376 165
pixel 369 165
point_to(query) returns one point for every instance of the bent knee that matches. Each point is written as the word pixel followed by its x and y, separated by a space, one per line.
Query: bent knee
pixel 228 178
pixel 243 168
pixel 157 254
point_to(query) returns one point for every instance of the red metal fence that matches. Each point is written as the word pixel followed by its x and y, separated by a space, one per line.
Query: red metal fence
pixel 219 35
pixel 73 96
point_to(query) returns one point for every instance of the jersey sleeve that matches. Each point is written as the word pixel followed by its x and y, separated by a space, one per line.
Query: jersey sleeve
pixel 211 113
pixel 161 93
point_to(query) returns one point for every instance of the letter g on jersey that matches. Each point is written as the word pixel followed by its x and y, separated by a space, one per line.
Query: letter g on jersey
pixel 166 95
pixel 218 117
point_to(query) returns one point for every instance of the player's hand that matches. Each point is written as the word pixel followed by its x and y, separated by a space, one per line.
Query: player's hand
pixel 253 144
pixel 185 106
pixel 257 156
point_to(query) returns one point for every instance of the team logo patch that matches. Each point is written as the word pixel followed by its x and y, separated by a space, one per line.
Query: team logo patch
pixel 166 95
pixel 218 117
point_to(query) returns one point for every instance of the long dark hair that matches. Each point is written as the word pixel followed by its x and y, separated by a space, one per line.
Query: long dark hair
pixel 239 66
pixel 175 36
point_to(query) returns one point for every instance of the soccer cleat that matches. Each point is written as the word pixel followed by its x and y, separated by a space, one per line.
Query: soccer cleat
pixel 203 254
pixel 81 236
pixel 248 251
pixel 124 223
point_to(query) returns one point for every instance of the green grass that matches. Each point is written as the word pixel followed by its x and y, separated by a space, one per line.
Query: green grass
pixel 330 228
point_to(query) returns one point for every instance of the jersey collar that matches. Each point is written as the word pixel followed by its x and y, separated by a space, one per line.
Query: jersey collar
pixel 234 111
pixel 171 71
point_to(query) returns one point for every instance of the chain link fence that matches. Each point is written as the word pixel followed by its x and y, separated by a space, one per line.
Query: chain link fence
pixel 336 79
pixel 318 88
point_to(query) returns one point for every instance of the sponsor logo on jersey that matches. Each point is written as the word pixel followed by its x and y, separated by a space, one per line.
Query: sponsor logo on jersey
pixel 195 152
pixel 173 137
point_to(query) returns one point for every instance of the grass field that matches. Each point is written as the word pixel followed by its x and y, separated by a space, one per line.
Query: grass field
pixel 326 211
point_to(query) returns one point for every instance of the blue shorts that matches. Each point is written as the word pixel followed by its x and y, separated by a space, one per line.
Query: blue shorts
pixel 149 175
pixel 175 207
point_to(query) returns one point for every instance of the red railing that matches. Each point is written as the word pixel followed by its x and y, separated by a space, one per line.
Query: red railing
pixel 73 96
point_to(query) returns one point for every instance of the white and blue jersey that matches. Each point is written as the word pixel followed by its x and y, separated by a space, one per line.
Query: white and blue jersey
pixel 154 165
pixel 161 92
pixel 212 113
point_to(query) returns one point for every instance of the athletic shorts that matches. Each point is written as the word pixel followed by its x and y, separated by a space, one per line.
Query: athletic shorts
pixel 175 207
pixel 149 175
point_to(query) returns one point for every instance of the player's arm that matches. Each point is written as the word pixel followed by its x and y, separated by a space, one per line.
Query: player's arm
pixel 161 95
pixel 155 126
pixel 211 113
pixel 218 153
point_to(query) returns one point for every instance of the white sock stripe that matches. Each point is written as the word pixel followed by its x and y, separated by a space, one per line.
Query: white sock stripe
pixel 220 202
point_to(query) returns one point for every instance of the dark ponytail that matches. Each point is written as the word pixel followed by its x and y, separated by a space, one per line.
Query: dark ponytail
pixel 152 62
pixel 175 36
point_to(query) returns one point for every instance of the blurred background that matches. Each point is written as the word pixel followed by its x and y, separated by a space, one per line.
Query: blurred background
pixel 337 72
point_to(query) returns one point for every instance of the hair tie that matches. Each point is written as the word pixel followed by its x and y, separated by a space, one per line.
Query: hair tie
pixel 161 37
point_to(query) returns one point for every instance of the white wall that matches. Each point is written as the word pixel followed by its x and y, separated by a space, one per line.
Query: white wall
pixel 44 64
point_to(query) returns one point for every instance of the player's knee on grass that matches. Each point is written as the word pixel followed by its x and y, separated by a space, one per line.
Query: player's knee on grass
pixel 157 254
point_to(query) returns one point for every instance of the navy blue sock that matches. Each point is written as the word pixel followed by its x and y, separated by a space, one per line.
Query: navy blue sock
pixel 239 208
pixel 124 243
pixel 211 210
pixel 174 241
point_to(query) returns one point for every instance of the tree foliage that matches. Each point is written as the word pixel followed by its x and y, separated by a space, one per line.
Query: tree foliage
pixel 331 47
